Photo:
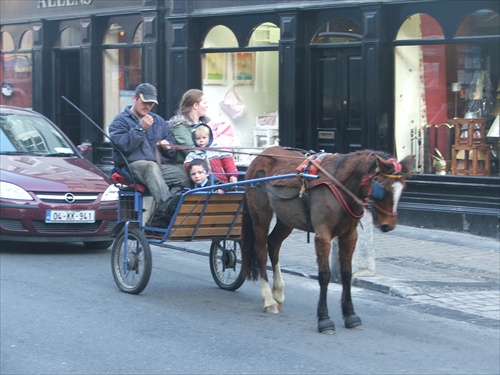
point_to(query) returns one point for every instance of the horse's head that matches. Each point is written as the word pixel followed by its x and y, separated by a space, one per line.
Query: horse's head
pixel 387 189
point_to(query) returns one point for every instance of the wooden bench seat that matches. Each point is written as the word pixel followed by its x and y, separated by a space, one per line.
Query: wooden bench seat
pixel 199 219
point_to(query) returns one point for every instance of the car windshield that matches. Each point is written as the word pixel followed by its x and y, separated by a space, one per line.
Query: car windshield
pixel 28 134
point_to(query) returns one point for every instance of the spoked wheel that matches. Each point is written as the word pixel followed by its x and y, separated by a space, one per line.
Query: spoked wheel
pixel 131 261
pixel 225 264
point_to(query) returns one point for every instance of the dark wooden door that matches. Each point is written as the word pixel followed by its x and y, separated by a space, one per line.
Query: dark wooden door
pixel 337 99
pixel 67 80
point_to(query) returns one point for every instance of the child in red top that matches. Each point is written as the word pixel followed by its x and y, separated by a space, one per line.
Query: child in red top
pixel 221 162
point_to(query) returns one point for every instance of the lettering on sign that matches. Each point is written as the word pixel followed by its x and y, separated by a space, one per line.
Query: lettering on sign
pixel 62 3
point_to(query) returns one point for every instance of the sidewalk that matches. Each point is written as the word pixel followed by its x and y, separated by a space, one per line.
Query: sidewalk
pixel 440 269
pixel 447 269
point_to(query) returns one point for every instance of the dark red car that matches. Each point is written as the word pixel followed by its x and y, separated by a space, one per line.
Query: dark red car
pixel 48 190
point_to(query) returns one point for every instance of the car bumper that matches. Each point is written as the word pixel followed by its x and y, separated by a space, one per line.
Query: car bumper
pixel 21 222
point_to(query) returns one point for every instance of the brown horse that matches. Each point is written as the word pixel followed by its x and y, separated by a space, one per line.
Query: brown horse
pixel 330 206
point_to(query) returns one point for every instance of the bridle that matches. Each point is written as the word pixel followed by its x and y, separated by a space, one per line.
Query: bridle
pixel 367 184
pixel 397 174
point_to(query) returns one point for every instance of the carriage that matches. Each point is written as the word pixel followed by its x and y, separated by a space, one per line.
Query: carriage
pixel 201 215
pixel 327 194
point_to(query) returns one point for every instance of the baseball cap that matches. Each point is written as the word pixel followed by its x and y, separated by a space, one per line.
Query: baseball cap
pixel 147 93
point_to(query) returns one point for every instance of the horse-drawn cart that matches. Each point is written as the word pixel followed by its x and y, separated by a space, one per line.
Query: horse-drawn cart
pixel 201 214
pixel 239 222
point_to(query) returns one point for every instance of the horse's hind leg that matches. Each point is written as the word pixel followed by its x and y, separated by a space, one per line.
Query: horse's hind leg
pixel 347 244
pixel 279 233
pixel 261 217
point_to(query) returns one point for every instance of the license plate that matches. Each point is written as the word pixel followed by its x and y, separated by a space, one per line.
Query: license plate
pixel 54 216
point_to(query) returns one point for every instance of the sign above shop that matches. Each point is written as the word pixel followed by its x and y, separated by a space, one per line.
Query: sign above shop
pixel 62 3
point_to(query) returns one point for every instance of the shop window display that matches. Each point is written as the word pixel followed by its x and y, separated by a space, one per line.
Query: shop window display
pixel 122 63
pixel 242 87
pixel 440 87
pixel 16 71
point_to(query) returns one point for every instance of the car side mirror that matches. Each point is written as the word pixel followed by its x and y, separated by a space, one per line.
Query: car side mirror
pixel 85 148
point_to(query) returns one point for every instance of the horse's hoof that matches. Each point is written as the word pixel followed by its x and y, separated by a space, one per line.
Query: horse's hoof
pixel 352 321
pixel 326 326
pixel 328 332
pixel 273 309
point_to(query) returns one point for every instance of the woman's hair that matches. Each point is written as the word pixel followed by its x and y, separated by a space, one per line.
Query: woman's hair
pixel 189 98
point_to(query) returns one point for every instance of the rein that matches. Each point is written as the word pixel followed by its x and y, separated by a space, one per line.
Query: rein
pixel 338 183
pixel 334 186
pixel 233 150
pixel 343 203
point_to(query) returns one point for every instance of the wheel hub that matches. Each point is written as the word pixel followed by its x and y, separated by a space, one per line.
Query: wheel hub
pixel 132 261
pixel 229 259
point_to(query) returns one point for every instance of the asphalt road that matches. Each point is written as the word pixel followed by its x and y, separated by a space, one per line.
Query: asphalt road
pixel 61 313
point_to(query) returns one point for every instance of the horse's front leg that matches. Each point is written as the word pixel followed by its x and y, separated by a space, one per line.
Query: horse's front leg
pixel 347 244
pixel 322 245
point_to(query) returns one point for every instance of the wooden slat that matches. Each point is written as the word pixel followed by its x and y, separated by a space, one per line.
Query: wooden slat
pixel 203 232
pixel 213 197
pixel 206 220
pixel 212 207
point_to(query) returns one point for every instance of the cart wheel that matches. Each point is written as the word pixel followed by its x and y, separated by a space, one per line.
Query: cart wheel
pixel 225 264
pixel 132 273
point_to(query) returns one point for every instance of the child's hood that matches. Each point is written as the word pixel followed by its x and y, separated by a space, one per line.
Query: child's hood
pixel 209 130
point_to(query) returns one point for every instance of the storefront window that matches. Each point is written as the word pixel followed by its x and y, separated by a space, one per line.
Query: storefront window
pixel 122 69
pixel 440 88
pixel 69 37
pixel 16 71
pixel 338 31
pixel 242 87
pixel 480 23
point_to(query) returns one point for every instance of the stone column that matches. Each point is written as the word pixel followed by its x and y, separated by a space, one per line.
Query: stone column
pixel 363 262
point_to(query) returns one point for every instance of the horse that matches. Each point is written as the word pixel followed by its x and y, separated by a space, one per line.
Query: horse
pixel 329 206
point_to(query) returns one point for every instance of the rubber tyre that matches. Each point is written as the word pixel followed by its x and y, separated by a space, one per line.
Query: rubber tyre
pixel 135 278
pixel 225 264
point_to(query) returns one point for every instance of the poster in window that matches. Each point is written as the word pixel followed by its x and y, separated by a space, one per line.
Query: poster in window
pixel 243 67
pixel 215 69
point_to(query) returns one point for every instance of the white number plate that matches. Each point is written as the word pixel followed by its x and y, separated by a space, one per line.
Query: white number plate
pixel 53 216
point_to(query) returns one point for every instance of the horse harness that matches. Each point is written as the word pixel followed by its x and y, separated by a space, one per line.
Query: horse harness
pixel 369 185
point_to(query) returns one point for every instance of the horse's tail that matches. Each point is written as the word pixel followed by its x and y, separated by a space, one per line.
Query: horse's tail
pixel 249 266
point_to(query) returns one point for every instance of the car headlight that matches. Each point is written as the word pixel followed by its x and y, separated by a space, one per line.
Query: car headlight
pixel 111 194
pixel 11 191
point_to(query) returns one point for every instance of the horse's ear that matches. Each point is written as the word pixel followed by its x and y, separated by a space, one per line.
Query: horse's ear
pixel 406 164
pixel 384 166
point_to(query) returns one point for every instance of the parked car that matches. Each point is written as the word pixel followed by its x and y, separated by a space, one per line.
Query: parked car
pixel 48 190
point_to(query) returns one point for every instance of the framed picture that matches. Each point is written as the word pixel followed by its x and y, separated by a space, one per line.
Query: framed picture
pixel 243 67
pixel 215 69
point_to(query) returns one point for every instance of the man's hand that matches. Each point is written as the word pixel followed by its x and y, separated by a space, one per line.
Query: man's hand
pixel 163 144
pixel 146 122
